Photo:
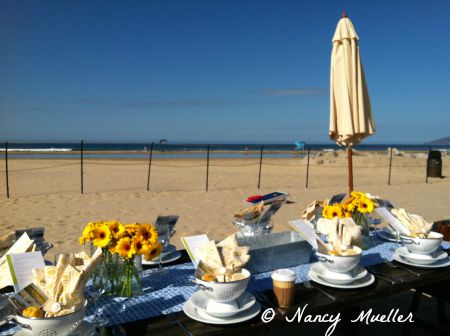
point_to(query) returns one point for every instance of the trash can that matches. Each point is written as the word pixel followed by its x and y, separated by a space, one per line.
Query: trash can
pixel 434 164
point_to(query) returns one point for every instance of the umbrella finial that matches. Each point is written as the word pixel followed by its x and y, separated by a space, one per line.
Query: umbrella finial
pixel 344 14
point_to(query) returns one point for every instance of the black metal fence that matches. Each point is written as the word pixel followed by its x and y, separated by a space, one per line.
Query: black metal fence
pixel 205 155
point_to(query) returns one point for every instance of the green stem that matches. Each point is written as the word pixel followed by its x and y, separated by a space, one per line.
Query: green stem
pixel 127 282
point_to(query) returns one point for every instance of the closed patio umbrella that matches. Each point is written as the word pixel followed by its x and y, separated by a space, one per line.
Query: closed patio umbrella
pixel 350 112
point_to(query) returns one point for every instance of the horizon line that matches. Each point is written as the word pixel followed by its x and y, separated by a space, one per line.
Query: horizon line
pixel 202 142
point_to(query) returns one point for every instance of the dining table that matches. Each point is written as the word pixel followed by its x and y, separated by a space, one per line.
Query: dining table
pixel 159 311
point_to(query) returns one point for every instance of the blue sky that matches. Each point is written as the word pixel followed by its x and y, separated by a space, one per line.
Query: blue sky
pixel 215 71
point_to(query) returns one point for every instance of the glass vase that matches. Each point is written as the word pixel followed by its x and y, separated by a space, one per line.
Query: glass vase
pixel 106 276
pixel 129 283
pixel 362 220
pixel 101 277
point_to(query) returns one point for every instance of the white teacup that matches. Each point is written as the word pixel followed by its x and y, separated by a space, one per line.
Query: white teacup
pixel 338 263
pixel 423 245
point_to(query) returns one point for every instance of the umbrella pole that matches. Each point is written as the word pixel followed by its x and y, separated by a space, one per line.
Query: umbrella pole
pixel 350 169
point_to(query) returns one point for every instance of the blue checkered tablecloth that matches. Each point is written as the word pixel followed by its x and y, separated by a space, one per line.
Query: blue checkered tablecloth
pixel 166 292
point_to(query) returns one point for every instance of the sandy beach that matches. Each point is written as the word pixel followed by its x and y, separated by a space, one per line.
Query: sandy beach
pixel 47 192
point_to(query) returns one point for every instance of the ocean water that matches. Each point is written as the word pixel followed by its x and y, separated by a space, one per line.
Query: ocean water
pixel 141 150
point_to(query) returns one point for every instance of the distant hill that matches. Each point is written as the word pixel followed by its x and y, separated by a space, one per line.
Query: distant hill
pixel 443 141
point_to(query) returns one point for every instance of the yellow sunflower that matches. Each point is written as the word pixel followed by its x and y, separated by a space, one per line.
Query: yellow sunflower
pixel 101 236
pixel 348 210
pixel 125 248
pixel 347 214
pixel 87 233
pixel 139 244
pixel 349 205
pixel 153 251
pixel 365 205
pixel 86 236
pixel 331 211
pixel 325 212
pixel 357 194
pixel 132 229
pixel 116 228
pixel 148 233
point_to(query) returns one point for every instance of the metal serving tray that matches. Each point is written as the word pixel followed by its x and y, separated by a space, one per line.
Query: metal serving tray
pixel 275 250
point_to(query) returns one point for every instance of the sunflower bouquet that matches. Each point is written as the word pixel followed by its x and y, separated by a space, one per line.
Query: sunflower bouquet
pixel 357 206
pixel 122 246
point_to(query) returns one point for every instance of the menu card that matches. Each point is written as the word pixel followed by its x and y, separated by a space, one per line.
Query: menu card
pixel 393 222
pixel 191 244
pixel 23 244
pixel 307 231
pixel 21 267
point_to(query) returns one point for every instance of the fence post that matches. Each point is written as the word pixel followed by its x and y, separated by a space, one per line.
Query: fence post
pixel 6 169
pixel 149 166
pixel 81 159
pixel 207 167
pixel 390 165
pixel 260 166
pixel 307 168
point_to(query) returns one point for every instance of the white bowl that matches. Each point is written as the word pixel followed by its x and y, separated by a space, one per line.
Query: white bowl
pixel 224 291
pixel 55 326
pixel 340 264
pixel 423 245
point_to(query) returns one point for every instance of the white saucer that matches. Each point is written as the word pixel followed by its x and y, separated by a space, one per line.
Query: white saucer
pixel 364 282
pixel 244 302
pixel 421 259
pixel 199 315
pixel 165 259
pixel 338 278
pixel 386 234
pixel 438 264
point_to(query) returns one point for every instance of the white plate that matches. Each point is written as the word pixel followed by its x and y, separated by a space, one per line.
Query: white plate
pixel 438 264
pixel 364 282
pixel 165 259
pixel 199 315
pixel 244 302
pixel 386 234
pixel 421 259
pixel 338 278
